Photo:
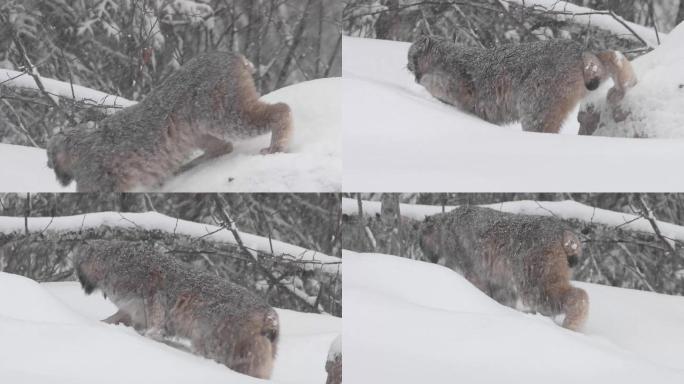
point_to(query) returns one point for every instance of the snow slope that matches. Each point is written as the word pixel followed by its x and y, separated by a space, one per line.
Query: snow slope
pixel 313 164
pixel 51 333
pixel 398 138
pixel 413 322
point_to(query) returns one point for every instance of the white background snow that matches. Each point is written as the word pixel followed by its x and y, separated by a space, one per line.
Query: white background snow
pixel 398 138
pixel 313 163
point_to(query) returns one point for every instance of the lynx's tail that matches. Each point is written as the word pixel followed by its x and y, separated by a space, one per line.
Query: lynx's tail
pixel 597 68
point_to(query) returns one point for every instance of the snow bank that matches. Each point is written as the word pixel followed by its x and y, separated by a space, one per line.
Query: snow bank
pixel 582 15
pixel 313 164
pixel 51 333
pixel 656 103
pixel 157 221
pixel 398 138
pixel 562 209
pixel 412 322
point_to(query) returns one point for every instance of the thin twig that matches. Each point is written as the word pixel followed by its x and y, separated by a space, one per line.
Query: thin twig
pixel 647 214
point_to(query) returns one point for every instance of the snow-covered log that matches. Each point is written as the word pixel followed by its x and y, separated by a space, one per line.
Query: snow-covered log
pixel 310 260
pixel 567 210
pixel 61 89
pixel 566 11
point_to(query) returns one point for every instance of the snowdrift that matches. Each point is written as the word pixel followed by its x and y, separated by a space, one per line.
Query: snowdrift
pixel 51 333
pixel 314 163
pixel 413 322
pixel 397 137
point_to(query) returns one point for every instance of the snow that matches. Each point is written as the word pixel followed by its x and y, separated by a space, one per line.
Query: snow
pixel 397 137
pixel 51 333
pixel 24 169
pixel 605 22
pixel 567 210
pixel 408 321
pixel 157 221
pixel 313 163
pixel 656 103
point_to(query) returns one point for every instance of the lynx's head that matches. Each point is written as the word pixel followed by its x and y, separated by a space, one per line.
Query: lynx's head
pixel 87 266
pixel 429 241
pixel 422 53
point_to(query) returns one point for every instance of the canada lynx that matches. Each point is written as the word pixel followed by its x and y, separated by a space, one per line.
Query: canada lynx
pixel 164 298
pixel 535 83
pixel 520 261
pixel 209 101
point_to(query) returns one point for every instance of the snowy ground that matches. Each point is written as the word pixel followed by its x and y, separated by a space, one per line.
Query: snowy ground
pixel 313 164
pixel 413 322
pixel 51 333
pixel 398 138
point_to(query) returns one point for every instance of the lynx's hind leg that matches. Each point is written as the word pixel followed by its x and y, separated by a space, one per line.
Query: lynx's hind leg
pixel 256 351
pixel 120 317
pixel 279 118
pixel 545 113
pixel 576 308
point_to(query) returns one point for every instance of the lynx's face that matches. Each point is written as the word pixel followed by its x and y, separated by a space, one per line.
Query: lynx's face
pixel 419 56
pixel 429 241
